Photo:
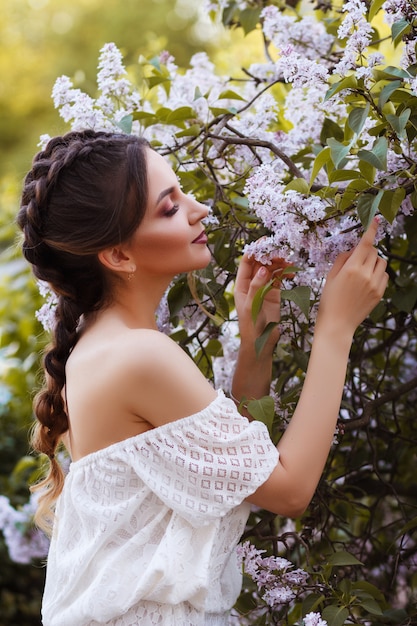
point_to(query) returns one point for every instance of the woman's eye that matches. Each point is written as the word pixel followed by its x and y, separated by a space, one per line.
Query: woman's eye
pixel 170 212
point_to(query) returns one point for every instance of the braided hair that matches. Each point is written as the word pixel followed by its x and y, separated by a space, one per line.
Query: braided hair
pixel 86 191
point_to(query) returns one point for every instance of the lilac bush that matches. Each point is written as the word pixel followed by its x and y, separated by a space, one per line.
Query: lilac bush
pixel 295 155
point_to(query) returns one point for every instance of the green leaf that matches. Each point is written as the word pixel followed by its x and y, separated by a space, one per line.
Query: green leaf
pixel 398 30
pixel 154 81
pixel 214 348
pixel 374 8
pixel 351 192
pixel 321 159
pixel 263 410
pixel 338 151
pixel 125 124
pixel 391 202
pixel 221 111
pixel 331 129
pixel 298 184
pixel 192 131
pixel 392 70
pixel 263 338
pixel 369 589
pixel 405 299
pixel 378 155
pixel 259 299
pixel 349 82
pixel 248 19
pixel 342 558
pixel 335 615
pixel 341 175
pixel 180 115
pixel 387 91
pixel 230 95
pixel 398 122
pixel 368 171
pixel 367 207
pixel 370 605
pixel 178 296
pixel 197 93
pixel 300 296
pixel 357 118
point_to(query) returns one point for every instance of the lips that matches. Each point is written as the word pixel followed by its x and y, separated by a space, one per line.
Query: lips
pixel 202 238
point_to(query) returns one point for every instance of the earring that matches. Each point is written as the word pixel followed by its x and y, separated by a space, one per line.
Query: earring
pixel 130 276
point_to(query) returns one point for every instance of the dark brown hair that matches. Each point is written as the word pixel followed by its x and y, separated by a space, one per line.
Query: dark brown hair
pixel 86 191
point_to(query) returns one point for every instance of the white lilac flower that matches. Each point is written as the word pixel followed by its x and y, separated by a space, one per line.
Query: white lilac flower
pixel 46 314
pixel 314 619
pixel 307 36
pixel 278 595
pixel 358 34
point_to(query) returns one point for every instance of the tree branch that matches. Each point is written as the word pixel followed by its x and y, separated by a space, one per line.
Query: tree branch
pixel 371 406
pixel 258 143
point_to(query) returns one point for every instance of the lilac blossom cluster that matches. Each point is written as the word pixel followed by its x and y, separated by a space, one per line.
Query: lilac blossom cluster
pixel 303 227
pixel 278 583
pixel 46 314
pixel 406 11
pixel 24 541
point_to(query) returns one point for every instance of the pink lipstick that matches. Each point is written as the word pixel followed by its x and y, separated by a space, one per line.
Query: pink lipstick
pixel 202 238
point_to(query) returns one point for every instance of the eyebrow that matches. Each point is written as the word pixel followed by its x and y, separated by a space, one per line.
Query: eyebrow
pixel 164 193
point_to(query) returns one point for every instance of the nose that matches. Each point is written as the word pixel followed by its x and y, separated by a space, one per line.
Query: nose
pixel 196 210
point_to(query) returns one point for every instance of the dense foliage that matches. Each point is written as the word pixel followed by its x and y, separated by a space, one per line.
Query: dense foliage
pixel 295 155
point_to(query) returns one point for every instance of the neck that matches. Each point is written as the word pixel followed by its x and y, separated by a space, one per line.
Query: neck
pixel 136 302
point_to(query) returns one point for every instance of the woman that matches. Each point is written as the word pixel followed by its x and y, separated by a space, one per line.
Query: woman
pixel 164 467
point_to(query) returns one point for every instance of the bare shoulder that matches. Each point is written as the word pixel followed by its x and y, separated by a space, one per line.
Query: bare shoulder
pixel 161 380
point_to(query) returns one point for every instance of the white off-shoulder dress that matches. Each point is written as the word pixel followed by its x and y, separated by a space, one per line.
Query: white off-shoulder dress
pixel 146 529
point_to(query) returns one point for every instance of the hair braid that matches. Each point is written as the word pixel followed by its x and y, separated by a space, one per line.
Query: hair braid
pixel 86 191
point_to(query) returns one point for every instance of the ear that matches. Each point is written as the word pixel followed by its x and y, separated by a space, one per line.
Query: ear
pixel 117 259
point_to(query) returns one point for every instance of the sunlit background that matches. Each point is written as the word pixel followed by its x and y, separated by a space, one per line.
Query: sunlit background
pixel 42 39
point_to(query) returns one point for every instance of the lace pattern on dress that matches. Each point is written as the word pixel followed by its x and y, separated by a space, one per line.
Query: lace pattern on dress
pixel 146 529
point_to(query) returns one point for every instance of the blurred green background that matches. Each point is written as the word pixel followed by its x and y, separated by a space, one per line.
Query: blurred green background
pixel 42 39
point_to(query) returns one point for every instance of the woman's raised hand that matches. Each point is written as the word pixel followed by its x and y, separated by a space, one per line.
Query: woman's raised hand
pixel 251 277
pixel 354 285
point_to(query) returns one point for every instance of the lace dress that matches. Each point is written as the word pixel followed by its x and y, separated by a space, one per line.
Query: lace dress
pixel 146 529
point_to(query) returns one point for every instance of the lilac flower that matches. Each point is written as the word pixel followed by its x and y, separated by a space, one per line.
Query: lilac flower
pixel 358 34
pixel 306 36
pixel 24 542
pixel 278 595
pixel 314 619
pixel 46 314
pixel 276 580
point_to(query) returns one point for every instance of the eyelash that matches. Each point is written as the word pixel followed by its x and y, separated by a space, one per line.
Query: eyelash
pixel 171 212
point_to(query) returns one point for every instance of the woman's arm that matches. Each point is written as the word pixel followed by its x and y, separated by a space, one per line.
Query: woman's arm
pixel 252 377
pixel 353 287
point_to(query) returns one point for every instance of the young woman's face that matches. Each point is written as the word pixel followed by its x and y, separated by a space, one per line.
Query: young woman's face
pixel 170 239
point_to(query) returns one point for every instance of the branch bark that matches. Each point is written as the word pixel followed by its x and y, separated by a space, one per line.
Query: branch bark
pixel 371 406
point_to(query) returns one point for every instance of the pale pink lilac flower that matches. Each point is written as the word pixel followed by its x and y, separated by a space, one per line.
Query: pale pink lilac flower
pixel 46 314
pixel 307 36
pixel 24 541
pixel 223 366
pixel 277 581
pixel 358 34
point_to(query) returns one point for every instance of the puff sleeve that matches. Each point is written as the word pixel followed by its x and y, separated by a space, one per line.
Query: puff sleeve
pixel 204 465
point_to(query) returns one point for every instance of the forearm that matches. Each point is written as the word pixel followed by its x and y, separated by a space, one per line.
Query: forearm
pixel 305 445
pixel 252 376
